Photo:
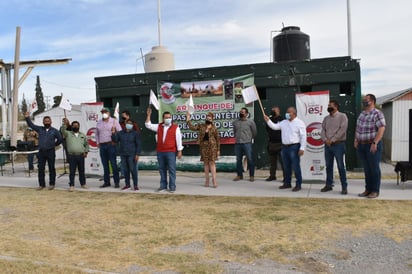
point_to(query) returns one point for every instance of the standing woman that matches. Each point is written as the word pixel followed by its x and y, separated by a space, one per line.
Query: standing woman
pixel 209 145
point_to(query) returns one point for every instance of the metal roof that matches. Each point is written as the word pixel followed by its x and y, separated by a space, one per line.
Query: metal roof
pixel 392 96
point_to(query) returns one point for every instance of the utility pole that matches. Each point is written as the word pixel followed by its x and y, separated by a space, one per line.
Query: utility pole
pixel 15 102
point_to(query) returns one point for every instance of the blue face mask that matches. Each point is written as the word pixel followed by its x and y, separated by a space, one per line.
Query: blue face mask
pixel 129 126
pixel 168 121
pixel 287 115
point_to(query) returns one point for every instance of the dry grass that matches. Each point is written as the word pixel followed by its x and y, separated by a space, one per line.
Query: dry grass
pixel 62 232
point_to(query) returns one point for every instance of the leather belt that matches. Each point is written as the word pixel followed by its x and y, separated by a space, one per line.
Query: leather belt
pixel 289 145
pixel 337 142
pixel 365 142
pixel 76 154
pixel 105 143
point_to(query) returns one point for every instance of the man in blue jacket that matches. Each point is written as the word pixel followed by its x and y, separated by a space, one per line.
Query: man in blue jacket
pixel 49 138
pixel 130 147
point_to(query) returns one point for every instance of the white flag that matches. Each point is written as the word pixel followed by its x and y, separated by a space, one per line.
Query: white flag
pixel 116 111
pixel 190 105
pixel 65 104
pixel 250 94
pixel 33 106
pixel 153 100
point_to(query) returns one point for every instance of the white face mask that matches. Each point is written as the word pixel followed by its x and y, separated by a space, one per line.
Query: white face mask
pixel 105 115
pixel 168 121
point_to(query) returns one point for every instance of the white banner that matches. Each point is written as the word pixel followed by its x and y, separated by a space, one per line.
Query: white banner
pixel 312 109
pixel 90 114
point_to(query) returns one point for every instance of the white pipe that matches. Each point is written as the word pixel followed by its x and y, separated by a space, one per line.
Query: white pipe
pixel 159 24
pixel 349 28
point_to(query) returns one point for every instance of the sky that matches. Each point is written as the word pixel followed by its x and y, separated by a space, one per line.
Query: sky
pixel 106 37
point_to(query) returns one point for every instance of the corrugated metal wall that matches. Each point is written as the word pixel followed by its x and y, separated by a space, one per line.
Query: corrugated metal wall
pixel 397 131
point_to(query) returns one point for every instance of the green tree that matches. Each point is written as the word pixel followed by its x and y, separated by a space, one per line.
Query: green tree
pixel 24 107
pixel 39 97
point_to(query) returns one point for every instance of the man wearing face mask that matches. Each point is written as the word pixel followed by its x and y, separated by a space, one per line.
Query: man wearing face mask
pixel 169 145
pixel 49 138
pixel 244 130
pixel 274 144
pixel 77 149
pixel 130 148
pixel 333 134
pixel 125 116
pixel 370 127
pixel 293 146
pixel 107 147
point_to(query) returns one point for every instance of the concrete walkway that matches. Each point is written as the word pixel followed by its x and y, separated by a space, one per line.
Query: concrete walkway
pixel 191 183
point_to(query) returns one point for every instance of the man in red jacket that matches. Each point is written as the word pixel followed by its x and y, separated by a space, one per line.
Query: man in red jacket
pixel 169 145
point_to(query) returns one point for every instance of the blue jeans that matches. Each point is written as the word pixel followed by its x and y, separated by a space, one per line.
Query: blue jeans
pixel 76 162
pixel 291 160
pixel 48 156
pixel 167 162
pixel 129 166
pixel 335 151
pixel 240 150
pixel 370 162
pixel 108 154
pixel 30 159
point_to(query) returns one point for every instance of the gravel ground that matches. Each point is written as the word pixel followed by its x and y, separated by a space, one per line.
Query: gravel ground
pixel 374 253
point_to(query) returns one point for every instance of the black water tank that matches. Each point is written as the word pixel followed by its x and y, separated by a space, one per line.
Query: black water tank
pixel 291 45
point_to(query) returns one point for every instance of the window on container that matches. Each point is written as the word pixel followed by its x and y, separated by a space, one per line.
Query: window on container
pixel 346 88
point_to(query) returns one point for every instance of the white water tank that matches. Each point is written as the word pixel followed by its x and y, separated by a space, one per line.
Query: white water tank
pixel 159 59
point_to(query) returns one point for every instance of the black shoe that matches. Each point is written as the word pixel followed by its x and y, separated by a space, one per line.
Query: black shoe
pixel 326 189
pixel 296 188
pixel 284 186
pixel 104 185
pixel 344 191
pixel 117 186
pixel 270 178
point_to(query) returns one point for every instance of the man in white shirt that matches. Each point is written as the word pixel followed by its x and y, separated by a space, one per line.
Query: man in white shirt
pixel 169 145
pixel 293 146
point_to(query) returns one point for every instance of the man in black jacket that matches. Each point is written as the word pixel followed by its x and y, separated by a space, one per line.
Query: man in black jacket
pixel 274 144
pixel 49 138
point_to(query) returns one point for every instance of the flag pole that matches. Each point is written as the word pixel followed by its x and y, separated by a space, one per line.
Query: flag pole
pixel 61 99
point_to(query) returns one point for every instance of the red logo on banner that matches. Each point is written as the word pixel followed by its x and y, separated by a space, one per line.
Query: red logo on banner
pixel 91 137
pixel 313 134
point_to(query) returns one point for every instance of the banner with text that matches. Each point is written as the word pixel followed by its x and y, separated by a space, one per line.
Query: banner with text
pixel 312 109
pixel 90 113
pixel 221 97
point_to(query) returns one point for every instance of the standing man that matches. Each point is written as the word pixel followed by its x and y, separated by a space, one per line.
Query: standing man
pixel 293 146
pixel 49 138
pixel 77 149
pixel 244 130
pixel 130 148
pixel 125 116
pixel 274 144
pixel 333 134
pixel 107 148
pixel 31 136
pixel 169 144
pixel 370 127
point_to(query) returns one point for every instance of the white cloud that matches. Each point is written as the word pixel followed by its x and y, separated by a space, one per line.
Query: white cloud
pixel 104 37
